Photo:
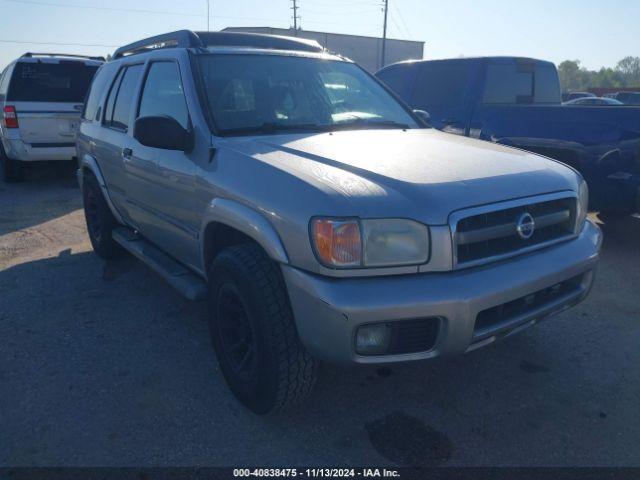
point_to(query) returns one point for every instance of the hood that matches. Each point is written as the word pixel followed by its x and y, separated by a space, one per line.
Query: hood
pixel 421 173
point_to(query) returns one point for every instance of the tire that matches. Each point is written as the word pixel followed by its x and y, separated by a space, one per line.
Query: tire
pixel 253 331
pixel 13 170
pixel 100 220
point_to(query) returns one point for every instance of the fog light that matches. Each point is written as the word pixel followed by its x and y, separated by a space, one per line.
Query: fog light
pixel 373 339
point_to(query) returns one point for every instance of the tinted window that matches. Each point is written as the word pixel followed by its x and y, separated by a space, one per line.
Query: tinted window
pixel 163 93
pixel 66 81
pixel 126 93
pixel 121 97
pixel 95 93
pixel 397 79
pixel 441 84
pixel 4 82
pixel 108 115
pixel 505 83
pixel 547 84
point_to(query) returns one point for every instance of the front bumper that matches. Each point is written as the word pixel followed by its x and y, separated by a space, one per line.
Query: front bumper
pixel 329 310
pixel 25 152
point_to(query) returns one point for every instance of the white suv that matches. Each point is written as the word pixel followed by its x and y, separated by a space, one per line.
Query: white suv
pixel 41 98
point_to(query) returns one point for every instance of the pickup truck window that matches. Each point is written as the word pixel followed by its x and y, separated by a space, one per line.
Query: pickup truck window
pixel 441 84
pixel 504 84
pixel 163 94
pixel 508 84
pixel 269 93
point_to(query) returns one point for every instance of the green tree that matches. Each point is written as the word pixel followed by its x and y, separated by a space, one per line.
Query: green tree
pixel 629 67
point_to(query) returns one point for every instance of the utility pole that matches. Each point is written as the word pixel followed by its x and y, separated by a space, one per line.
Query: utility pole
pixel 384 33
pixel 208 29
pixel 295 16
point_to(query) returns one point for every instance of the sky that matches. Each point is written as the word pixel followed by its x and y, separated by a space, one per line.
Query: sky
pixel 596 32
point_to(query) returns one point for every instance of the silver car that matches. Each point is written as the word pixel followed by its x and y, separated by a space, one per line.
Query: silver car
pixel 41 97
pixel 316 214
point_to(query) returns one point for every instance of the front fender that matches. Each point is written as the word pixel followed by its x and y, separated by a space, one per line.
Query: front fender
pixel 246 220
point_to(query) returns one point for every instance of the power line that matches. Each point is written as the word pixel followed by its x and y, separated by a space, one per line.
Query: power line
pixel 384 33
pixel 136 10
pixel 112 9
pixel 61 44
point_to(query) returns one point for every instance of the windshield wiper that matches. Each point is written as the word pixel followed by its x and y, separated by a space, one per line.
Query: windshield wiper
pixel 369 123
pixel 273 127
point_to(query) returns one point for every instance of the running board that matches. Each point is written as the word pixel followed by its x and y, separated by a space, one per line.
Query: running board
pixel 187 283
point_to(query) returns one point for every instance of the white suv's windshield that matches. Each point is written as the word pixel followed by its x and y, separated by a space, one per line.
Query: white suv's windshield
pixel 270 93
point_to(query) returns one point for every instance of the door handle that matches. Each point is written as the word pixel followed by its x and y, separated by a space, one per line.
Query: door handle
pixel 127 152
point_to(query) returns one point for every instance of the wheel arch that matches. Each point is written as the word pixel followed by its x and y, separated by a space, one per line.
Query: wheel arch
pixel 88 164
pixel 227 222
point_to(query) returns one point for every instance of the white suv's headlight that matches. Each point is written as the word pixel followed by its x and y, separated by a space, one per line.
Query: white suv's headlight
pixel 583 205
pixel 353 243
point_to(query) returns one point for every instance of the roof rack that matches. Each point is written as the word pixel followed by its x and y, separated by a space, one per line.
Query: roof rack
pixel 72 55
pixel 189 39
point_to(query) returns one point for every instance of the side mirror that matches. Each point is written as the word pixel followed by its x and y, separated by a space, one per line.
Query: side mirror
pixel 162 132
pixel 424 116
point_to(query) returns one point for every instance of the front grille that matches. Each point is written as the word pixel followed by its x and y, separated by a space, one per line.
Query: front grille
pixel 505 313
pixel 411 336
pixel 491 234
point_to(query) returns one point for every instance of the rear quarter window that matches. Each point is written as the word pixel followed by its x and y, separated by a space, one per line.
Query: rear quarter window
pixel 66 81
pixel 98 86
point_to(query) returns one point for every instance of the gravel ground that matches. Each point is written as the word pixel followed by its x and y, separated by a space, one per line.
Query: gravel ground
pixel 104 364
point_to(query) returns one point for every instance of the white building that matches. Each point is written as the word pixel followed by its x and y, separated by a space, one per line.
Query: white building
pixel 366 51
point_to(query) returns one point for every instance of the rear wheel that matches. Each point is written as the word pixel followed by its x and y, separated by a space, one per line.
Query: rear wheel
pixel 100 220
pixel 13 170
pixel 253 331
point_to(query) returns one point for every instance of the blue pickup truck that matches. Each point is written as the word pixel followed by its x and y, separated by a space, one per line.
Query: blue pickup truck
pixel 517 102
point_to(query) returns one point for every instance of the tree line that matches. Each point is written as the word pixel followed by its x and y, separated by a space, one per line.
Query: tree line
pixel 574 77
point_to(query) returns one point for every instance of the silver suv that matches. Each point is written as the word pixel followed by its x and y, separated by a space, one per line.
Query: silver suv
pixel 41 97
pixel 316 214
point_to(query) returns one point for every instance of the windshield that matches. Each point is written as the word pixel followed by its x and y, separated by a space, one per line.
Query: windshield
pixel 269 93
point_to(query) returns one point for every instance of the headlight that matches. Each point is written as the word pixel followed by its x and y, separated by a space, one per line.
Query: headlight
pixel 583 205
pixel 350 243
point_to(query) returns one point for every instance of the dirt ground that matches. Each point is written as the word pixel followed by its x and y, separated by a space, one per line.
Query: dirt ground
pixel 104 364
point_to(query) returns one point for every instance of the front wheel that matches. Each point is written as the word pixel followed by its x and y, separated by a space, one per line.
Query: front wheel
pixel 253 331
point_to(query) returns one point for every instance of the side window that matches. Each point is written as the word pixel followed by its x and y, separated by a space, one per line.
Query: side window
pixel 397 78
pixel 508 84
pixel 441 84
pixel 95 93
pixel 125 97
pixel 163 93
pixel 547 84
pixel 115 86
pixel 4 81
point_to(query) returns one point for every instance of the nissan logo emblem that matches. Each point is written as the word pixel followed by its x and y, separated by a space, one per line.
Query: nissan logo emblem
pixel 525 226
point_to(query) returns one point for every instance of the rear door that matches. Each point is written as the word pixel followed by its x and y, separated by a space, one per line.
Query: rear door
pixel 115 135
pixel 47 95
